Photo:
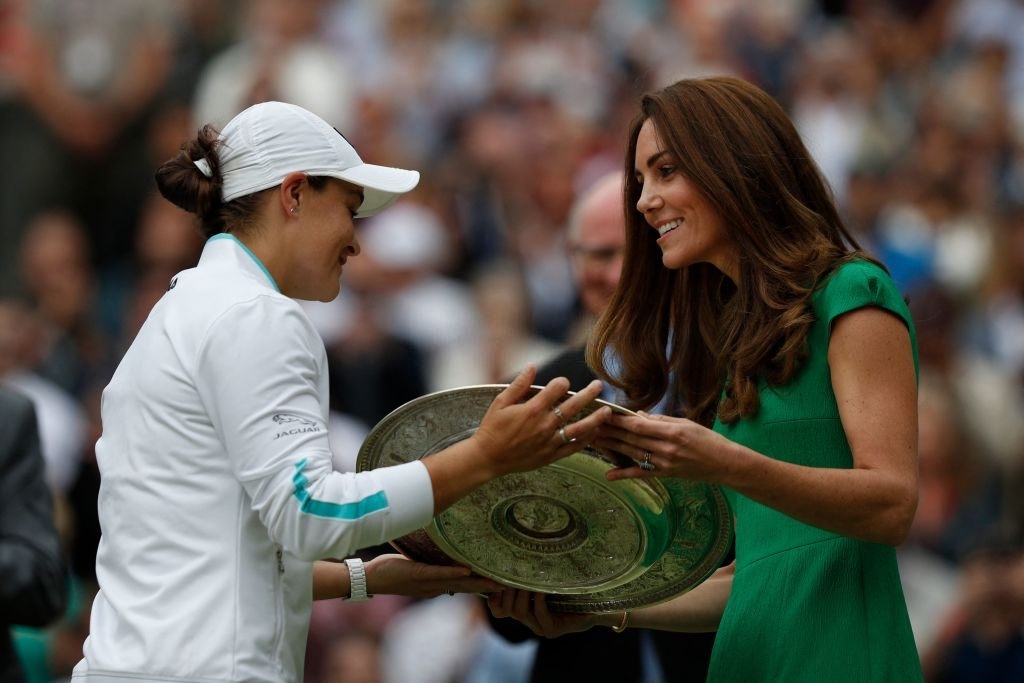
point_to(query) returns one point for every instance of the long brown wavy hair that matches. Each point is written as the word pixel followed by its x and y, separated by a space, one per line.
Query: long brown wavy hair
pixel 693 332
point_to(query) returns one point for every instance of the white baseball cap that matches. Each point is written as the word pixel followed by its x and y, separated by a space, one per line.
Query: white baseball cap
pixel 269 140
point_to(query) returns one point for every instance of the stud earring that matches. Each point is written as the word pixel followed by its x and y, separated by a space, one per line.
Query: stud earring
pixel 294 210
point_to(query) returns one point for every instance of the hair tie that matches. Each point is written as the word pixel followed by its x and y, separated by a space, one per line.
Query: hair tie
pixel 204 166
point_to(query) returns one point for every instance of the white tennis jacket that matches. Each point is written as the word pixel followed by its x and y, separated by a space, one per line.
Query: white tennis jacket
pixel 217 490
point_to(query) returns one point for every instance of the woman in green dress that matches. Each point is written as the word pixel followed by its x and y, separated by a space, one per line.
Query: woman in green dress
pixel 796 356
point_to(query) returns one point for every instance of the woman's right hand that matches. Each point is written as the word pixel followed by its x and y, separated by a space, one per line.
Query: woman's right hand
pixel 671 446
pixel 532 610
pixel 518 434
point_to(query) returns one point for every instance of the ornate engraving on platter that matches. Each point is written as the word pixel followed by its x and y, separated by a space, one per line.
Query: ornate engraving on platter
pixel 558 529
pixel 702 540
pixel 565 530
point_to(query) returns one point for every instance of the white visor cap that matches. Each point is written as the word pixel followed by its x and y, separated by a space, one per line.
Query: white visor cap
pixel 269 140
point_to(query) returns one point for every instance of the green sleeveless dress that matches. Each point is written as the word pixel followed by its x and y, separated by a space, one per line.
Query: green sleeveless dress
pixel 808 604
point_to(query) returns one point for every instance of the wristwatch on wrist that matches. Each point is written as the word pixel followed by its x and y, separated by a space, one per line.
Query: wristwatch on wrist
pixel 356 580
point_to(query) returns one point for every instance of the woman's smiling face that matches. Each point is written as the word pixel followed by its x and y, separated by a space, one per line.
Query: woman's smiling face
pixel 325 240
pixel 689 228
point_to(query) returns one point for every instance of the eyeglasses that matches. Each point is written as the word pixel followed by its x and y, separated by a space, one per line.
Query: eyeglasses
pixel 595 255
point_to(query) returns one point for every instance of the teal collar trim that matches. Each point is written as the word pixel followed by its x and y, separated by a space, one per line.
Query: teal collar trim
pixel 228 236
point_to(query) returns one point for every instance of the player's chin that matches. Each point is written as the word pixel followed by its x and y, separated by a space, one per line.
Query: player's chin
pixel 330 291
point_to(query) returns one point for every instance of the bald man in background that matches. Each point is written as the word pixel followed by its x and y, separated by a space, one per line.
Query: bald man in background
pixel 595 238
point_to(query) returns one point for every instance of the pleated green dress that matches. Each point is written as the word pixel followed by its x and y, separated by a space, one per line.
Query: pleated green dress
pixel 809 604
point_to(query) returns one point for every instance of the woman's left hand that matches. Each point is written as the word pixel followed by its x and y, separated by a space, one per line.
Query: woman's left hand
pixel 665 446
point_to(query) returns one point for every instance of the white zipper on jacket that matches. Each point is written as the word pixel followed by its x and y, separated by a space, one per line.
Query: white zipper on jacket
pixel 279 605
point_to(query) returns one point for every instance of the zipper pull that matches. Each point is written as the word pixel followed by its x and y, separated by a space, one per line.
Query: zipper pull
pixel 280 561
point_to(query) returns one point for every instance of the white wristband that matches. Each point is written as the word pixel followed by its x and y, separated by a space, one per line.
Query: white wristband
pixel 356 580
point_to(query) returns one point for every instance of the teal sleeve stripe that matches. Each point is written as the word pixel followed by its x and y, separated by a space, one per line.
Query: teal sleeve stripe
pixel 321 508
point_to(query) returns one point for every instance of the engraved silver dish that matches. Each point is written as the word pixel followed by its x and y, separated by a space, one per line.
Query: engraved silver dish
pixel 564 529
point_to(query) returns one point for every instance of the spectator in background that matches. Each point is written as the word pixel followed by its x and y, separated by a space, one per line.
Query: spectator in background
pixel 61 419
pixel 831 103
pixel 371 369
pixel 166 243
pixel 60 282
pixel 996 322
pixel 595 239
pixel 404 271
pixel 988 400
pixel 33 582
pixel 503 339
pixel 959 502
pixel 981 636
pixel 280 54
pixel 84 82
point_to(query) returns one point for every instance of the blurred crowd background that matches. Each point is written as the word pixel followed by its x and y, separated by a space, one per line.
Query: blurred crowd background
pixel 914 109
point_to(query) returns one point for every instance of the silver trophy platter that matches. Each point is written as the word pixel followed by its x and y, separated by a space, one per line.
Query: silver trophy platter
pixel 592 545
